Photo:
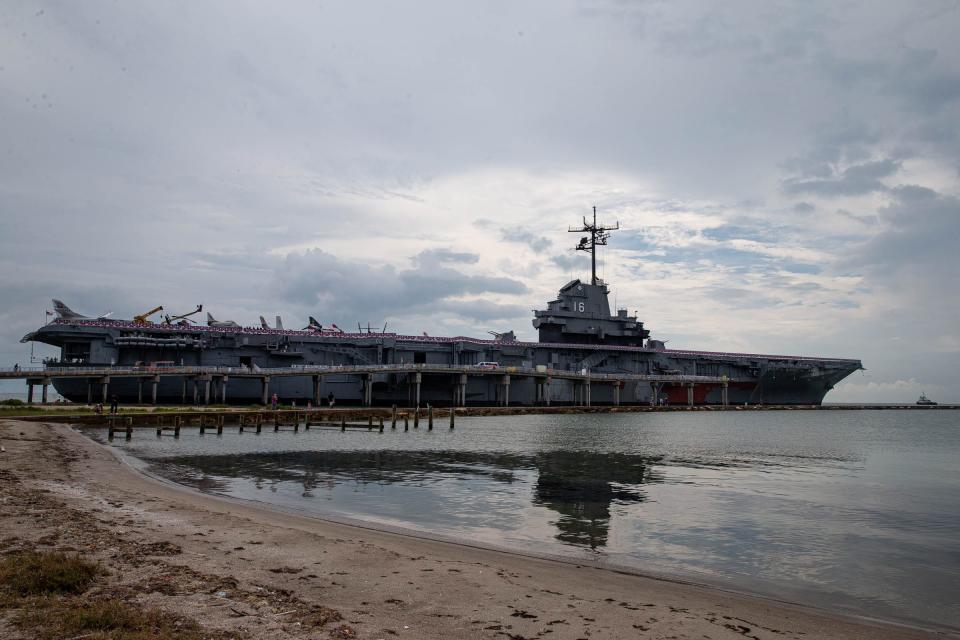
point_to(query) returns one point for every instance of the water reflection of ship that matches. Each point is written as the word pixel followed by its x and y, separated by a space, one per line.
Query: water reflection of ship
pixel 579 486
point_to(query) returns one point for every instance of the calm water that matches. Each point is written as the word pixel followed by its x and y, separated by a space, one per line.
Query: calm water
pixel 855 510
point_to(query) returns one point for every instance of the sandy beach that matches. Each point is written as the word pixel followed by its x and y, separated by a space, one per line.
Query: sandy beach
pixel 242 570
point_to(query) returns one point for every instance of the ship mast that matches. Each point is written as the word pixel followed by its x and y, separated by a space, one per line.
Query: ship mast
pixel 598 236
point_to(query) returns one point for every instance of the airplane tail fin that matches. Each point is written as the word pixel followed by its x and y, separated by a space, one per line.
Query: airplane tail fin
pixel 279 323
pixel 63 311
pixel 210 319
pixel 263 323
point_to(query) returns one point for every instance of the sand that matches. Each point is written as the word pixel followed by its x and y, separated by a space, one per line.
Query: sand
pixel 254 572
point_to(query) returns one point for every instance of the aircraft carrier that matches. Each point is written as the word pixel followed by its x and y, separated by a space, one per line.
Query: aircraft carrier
pixel 577 333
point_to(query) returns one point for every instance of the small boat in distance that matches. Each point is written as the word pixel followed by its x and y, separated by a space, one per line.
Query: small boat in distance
pixel 924 399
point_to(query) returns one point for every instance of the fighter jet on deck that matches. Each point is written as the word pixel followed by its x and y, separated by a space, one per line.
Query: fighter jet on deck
pixel 264 325
pixel 66 313
pixel 211 322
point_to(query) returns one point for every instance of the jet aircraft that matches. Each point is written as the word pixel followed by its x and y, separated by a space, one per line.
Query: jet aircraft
pixel 212 322
pixel 66 313
pixel 264 325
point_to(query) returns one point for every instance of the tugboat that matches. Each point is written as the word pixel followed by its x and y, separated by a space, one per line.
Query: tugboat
pixel 925 400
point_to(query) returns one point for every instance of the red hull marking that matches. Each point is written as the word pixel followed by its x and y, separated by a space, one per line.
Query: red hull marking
pixel 677 394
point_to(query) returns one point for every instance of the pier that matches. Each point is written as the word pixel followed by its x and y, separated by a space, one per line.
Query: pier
pixel 210 385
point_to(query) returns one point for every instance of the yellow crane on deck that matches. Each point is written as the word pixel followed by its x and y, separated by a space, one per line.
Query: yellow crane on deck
pixel 142 318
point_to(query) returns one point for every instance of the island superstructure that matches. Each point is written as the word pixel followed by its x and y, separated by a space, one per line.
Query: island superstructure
pixel 576 333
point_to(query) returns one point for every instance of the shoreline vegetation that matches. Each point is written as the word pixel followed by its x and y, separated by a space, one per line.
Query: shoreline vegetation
pixel 90 548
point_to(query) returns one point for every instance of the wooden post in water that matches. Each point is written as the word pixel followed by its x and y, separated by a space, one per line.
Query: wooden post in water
pixel 416 417
pixel 241 424
pixel 381 425
pixel 453 416
pixel 343 424
pixel 429 417
pixel 369 423
pixel 406 422
pixel 393 417
pixel 276 421
pixel 177 421
pixel 259 422
pixel 220 425
pixel 202 425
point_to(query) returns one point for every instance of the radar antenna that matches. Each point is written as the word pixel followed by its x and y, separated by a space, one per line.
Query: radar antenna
pixel 598 236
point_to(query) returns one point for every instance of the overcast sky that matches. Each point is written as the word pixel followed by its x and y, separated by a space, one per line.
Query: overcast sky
pixel 785 174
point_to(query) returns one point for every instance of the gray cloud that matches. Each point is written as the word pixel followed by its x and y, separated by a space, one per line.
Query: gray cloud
pixel 485 311
pixel 855 180
pixel 344 290
pixel 536 242
pixel 918 241
pixel 432 256
pixel 184 154
pixel 569 262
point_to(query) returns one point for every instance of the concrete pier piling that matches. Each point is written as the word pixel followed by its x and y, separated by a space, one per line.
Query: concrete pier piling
pixel 393 417
pixel 317 398
pixel 429 417
pixel 453 416
pixel 265 390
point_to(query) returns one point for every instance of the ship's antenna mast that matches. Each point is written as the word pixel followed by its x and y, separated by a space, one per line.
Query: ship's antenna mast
pixel 598 236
